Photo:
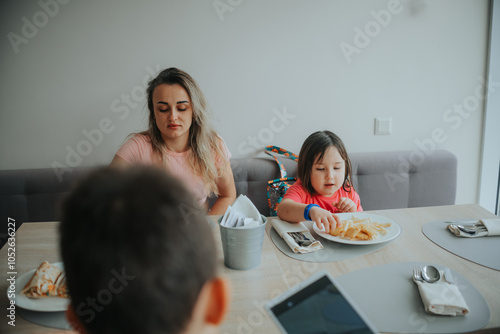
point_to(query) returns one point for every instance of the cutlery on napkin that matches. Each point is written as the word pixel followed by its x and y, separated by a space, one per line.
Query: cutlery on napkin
pixel 287 230
pixel 479 228
pixel 442 297
pixel 242 213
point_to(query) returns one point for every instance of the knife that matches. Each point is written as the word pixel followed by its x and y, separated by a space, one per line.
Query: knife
pixel 471 222
pixel 447 276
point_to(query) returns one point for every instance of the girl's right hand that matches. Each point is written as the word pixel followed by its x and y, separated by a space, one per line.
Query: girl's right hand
pixel 324 217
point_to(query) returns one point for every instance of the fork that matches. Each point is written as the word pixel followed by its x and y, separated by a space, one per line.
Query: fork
pixel 304 240
pixel 473 229
pixel 417 273
pixel 301 239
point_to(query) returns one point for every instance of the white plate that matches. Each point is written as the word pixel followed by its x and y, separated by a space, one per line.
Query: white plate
pixel 392 231
pixel 49 304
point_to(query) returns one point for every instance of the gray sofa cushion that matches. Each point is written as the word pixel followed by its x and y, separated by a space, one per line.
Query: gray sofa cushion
pixel 383 180
pixel 388 180
pixel 31 194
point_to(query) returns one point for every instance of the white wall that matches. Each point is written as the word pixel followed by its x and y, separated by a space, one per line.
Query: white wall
pixel 254 60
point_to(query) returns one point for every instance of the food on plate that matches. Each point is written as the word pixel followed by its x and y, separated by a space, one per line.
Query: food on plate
pixel 47 281
pixel 360 229
pixel 62 287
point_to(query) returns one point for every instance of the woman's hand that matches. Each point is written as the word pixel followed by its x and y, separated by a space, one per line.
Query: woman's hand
pixel 346 205
pixel 324 217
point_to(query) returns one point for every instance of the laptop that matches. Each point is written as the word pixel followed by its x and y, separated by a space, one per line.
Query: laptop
pixel 318 305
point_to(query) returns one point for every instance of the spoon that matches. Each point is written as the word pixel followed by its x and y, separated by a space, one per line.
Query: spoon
pixel 430 274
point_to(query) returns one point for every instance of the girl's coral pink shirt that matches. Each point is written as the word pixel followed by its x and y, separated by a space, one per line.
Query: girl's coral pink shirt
pixel 299 194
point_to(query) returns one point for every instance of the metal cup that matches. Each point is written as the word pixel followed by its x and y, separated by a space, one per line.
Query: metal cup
pixel 242 247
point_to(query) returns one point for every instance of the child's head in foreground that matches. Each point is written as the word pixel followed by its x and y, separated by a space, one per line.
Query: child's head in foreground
pixel 139 256
pixel 324 166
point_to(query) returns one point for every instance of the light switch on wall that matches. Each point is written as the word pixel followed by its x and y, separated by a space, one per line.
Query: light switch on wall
pixel 383 125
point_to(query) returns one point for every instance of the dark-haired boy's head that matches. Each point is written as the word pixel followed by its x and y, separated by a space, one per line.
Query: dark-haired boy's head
pixel 139 255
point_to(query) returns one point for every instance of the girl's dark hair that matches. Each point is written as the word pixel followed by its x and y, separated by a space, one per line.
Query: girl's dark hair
pixel 313 150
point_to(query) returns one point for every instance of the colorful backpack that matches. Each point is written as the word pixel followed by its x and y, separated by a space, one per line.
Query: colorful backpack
pixel 277 188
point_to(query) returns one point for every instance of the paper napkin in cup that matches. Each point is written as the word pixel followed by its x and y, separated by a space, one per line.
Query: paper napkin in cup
pixel 242 213
pixel 442 298
pixel 244 205
pixel 284 228
pixel 491 228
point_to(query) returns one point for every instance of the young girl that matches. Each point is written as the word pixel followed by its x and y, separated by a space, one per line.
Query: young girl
pixel 324 186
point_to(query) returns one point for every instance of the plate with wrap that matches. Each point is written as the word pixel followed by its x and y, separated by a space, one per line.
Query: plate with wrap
pixel 43 289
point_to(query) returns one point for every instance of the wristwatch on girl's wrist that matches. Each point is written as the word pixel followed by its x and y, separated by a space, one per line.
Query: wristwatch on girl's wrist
pixel 307 209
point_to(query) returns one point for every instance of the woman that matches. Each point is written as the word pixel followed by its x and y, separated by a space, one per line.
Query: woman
pixel 181 139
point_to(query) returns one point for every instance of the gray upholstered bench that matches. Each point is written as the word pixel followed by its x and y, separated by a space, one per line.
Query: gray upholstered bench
pixel 384 180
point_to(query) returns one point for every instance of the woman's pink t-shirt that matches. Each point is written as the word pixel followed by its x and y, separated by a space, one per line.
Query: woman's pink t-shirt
pixel 138 150
pixel 299 194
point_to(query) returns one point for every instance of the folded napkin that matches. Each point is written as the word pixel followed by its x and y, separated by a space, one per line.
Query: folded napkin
pixel 442 298
pixel 284 229
pixel 474 229
pixel 242 214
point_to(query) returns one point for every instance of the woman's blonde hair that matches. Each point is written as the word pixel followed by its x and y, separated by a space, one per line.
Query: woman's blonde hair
pixel 207 148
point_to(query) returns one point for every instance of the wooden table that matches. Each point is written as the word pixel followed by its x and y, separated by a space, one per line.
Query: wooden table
pixel 37 242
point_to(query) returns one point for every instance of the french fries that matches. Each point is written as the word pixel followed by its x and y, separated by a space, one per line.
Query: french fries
pixel 360 229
